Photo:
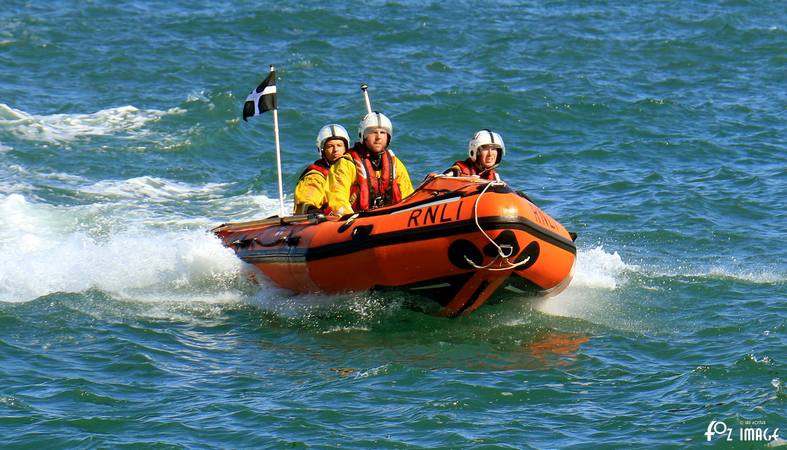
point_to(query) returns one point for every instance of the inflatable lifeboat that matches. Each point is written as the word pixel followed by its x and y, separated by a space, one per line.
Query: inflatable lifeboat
pixel 457 240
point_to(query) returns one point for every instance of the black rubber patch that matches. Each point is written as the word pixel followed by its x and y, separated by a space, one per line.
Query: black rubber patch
pixel 461 248
pixel 507 237
pixel 362 232
pixel 532 250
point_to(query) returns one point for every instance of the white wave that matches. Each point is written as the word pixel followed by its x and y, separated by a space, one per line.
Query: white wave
pixel 23 173
pixel 593 294
pixel 18 219
pixel 152 188
pixel 757 273
pixel 139 194
pixel 43 251
pixel 249 207
pixel 56 128
pixel 596 268
pixel 12 185
pixel 756 276
pixel 198 96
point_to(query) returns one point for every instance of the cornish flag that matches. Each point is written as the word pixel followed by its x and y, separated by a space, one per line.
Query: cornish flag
pixel 261 99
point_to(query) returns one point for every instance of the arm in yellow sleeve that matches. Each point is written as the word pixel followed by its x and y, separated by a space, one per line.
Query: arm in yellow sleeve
pixel 340 180
pixel 403 179
pixel 310 192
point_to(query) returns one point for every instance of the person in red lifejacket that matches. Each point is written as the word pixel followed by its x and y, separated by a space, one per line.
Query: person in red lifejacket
pixel 311 192
pixel 369 175
pixel 485 150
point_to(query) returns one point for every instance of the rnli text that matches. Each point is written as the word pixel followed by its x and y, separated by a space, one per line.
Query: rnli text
pixel 447 212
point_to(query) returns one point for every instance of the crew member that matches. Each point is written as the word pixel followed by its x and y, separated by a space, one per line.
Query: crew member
pixel 311 192
pixel 369 175
pixel 485 150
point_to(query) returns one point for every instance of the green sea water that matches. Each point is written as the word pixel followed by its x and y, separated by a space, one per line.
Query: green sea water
pixel 655 130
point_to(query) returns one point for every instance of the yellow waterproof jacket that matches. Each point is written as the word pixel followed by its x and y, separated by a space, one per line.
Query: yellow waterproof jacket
pixel 311 192
pixel 343 182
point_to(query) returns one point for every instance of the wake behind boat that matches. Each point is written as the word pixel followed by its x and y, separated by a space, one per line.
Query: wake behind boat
pixel 456 240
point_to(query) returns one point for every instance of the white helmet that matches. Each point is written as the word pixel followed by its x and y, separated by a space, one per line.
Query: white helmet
pixel 332 131
pixel 372 121
pixel 486 137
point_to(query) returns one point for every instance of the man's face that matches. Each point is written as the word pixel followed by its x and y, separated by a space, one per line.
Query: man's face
pixel 333 150
pixel 376 140
pixel 487 156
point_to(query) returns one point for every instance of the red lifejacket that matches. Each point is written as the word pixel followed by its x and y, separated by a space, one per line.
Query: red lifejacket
pixel 467 168
pixel 370 191
pixel 320 166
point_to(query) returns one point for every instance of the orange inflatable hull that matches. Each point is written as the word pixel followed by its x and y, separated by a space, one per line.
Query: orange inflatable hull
pixel 456 240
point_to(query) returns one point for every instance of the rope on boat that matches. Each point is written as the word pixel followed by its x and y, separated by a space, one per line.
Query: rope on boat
pixel 503 251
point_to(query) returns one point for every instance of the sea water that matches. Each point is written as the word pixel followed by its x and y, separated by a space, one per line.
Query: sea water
pixel 656 131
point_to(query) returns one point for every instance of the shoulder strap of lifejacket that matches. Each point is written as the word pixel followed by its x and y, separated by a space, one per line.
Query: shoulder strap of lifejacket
pixel 320 166
pixel 360 189
pixel 393 186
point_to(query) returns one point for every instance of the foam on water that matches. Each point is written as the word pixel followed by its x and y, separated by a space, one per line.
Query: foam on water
pixel 148 194
pixel 43 250
pixel 598 291
pixel 9 183
pixel 16 179
pixel 595 268
pixel 58 128
pixel 590 296
pixel 154 189
pixel 754 273
pixel 756 276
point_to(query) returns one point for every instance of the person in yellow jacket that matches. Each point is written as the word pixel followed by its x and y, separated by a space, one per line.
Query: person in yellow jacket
pixel 369 175
pixel 311 192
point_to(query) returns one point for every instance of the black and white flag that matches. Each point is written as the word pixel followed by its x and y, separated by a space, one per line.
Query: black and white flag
pixel 261 99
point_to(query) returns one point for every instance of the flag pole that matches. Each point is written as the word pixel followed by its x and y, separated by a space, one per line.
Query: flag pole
pixel 278 154
pixel 364 88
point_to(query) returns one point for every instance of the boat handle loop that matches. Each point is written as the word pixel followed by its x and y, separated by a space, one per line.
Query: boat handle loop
pixel 504 251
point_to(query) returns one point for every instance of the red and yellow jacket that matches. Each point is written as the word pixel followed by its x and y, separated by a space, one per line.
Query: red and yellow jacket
pixel 356 185
pixel 311 192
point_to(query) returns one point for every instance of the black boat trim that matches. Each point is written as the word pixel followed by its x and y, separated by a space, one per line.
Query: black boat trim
pixel 296 254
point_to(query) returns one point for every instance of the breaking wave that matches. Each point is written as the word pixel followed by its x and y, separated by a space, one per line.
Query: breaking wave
pixel 46 249
pixel 58 128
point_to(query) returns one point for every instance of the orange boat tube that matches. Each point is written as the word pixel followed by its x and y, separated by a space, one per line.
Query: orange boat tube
pixel 457 240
